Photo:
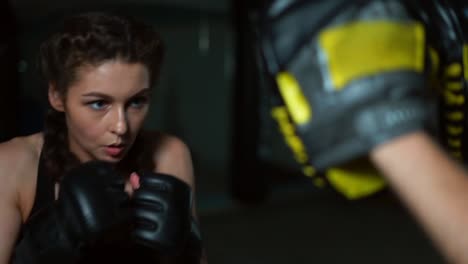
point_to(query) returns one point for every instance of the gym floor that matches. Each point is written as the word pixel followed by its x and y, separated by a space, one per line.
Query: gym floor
pixel 315 226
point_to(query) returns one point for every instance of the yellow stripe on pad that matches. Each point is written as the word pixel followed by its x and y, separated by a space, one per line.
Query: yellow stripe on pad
pixel 280 114
pixel 454 86
pixel 456 154
pixel 356 181
pixel 435 61
pixel 454 130
pixel 454 143
pixel 455 116
pixel 453 70
pixel 295 101
pixel 364 48
pixel 309 171
pixel 454 99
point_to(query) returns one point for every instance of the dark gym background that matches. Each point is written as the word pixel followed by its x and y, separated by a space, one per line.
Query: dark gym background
pixel 254 205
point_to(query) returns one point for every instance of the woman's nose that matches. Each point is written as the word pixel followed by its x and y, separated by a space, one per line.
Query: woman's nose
pixel 119 122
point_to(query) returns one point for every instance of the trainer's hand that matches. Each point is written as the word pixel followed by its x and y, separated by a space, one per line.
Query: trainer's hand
pixel 91 204
pixel 162 213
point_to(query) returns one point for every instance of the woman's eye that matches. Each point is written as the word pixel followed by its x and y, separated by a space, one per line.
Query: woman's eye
pixel 138 102
pixel 97 105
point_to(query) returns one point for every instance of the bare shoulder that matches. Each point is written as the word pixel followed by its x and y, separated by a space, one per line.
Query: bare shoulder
pixel 19 152
pixel 19 158
pixel 168 144
pixel 171 156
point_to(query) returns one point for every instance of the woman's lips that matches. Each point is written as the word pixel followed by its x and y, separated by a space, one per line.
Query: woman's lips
pixel 114 151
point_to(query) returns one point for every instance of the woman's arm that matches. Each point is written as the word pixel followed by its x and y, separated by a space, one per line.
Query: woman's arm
pixel 173 158
pixel 10 221
pixel 433 187
pixel 10 213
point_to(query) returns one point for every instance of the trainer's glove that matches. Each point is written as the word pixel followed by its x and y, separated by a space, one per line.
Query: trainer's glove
pixel 91 205
pixel 162 213
pixel 352 74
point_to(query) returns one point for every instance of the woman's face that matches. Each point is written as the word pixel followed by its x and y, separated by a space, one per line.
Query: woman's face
pixel 105 108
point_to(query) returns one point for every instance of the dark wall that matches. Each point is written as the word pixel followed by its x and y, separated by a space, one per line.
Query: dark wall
pixel 9 93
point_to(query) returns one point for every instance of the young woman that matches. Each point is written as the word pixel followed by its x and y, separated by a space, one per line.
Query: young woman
pixel 94 171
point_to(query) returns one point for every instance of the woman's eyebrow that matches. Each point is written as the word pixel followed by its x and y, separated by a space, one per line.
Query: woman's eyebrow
pixel 142 91
pixel 108 97
pixel 97 94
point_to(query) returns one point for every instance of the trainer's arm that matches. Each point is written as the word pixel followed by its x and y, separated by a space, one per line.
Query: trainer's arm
pixel 433 187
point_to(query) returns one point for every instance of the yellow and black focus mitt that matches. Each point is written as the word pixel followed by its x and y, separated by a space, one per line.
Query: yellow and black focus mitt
pixel 348 75
pixel 351 74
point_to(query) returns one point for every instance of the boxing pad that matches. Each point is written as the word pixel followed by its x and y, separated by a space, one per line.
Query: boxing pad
pixel 351 74
pixel 91 205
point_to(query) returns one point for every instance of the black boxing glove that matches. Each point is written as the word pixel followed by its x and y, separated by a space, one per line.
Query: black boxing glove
pixel 90 205
pixel 162 213
pixel 351 74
